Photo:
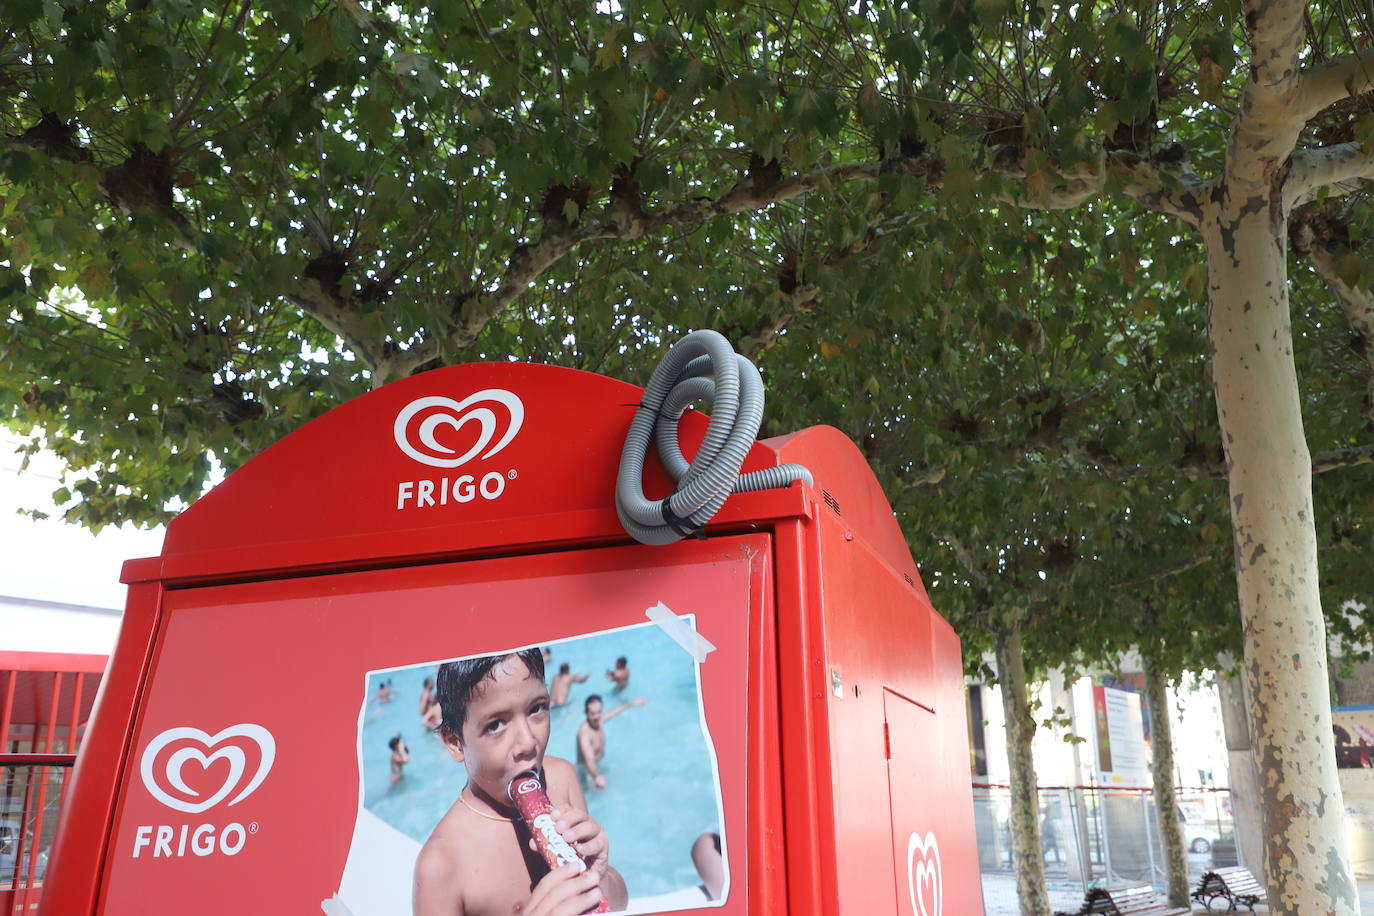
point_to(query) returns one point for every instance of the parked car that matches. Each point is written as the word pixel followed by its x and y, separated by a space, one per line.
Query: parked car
pixel 1197 835
pixel 1199 838
pixel 10 833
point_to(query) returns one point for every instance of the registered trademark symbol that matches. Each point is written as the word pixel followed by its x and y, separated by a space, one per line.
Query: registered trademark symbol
pixel 253 827
pixel 511 473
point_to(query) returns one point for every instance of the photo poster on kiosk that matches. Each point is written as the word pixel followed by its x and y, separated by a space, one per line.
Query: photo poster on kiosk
pixel 270 720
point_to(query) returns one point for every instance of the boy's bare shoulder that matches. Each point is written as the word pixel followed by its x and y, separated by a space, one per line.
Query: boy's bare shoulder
pixel 564 786
pixel 556 768
pixel 438 870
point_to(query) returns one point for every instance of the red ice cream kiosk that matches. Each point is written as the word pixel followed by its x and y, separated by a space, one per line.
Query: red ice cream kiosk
pixel 783 685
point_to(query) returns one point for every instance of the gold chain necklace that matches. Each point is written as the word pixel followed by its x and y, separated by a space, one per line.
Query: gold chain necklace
pixel 490 817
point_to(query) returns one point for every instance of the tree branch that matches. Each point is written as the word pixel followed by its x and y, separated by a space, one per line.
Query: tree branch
pixel 1267 125
pixel 1358 304
pixel 1333 80
pixel 965 558
pixel 530 263
pixel 797 298
pixel 1111 469
pixel 339 317
pixel 748 195
pixel 924 477
pixel 765 332
pixel 1181 567
pixel 1179 197
pixel 141 183
pixel 1339 458
pixel 1277 35
pixel 1338 168
pixel 1142 179
pixel 323 293
pixel 1073 193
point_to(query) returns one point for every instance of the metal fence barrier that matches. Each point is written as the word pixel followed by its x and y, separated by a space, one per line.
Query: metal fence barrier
pixel 1107 835
pixel 31 789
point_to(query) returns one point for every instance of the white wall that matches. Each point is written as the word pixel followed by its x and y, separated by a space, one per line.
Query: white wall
pixel 59 583
pixel 49 559
pixel 47 626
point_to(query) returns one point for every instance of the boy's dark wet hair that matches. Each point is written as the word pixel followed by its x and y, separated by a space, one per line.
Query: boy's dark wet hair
pixel 394 742
pixel 458 680
pixel 594 698
pixel 621 662
pixel 564 668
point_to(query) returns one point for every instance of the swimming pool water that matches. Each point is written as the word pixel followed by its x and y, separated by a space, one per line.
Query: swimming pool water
pixel 661 793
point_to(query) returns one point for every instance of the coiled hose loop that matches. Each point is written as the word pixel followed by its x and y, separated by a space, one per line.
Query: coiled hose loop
pixel 700 367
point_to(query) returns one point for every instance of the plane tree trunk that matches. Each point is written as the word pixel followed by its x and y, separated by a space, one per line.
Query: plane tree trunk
pixel 1270 480
pixel 1025 807
pixel 1166 795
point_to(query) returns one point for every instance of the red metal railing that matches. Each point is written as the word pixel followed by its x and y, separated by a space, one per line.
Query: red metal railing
pixel 26 832
pixel 42 720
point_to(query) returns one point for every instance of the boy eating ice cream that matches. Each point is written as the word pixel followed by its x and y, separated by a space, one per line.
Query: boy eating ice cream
pixel 480 858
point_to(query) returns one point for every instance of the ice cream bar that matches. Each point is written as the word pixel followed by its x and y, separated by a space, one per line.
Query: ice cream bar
pixel 530 799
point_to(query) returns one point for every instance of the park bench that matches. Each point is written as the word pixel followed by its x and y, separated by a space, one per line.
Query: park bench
pixel 1139 900
pixel 1234 885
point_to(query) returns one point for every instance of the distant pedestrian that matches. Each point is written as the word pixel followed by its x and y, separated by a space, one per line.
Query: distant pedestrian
pixel 1049 838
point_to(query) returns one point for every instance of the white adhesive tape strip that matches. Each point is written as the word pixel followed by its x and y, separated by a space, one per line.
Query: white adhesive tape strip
pixel 335 907
pixel 680 632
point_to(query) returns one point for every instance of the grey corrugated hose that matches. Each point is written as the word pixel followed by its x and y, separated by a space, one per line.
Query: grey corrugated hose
pixel 700 367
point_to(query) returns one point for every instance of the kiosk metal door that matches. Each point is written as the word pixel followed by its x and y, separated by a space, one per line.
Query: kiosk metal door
pixel 263 776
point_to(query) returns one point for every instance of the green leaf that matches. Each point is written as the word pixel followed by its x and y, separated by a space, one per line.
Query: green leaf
pixel 317 37
pixel 815 110
pixel 609 51
pixel 903 49
pixel 96 282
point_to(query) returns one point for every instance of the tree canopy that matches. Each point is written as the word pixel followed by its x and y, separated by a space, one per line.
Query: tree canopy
pixel 235 216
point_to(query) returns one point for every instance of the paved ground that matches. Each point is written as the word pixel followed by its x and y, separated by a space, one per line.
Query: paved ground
pixel 999 896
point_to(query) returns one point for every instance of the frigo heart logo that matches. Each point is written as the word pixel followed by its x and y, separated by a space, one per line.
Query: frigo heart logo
pixel 923 877
pixel 247 749
pixel 417 426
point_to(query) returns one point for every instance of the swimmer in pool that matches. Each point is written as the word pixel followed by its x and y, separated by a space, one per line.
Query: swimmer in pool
pixel 426 695
pixel 710 868
pixel 384 693
pixel 562 684
pixel 620 674
pixel 591 739
pixel 481 859
pixel 434 715
pixel 400 756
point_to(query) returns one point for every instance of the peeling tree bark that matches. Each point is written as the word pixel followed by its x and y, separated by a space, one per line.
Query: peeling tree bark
pixel 1243 769
pixel 1244 222
pixel 1269 473
pixel 1025 807
pixel 1166 794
